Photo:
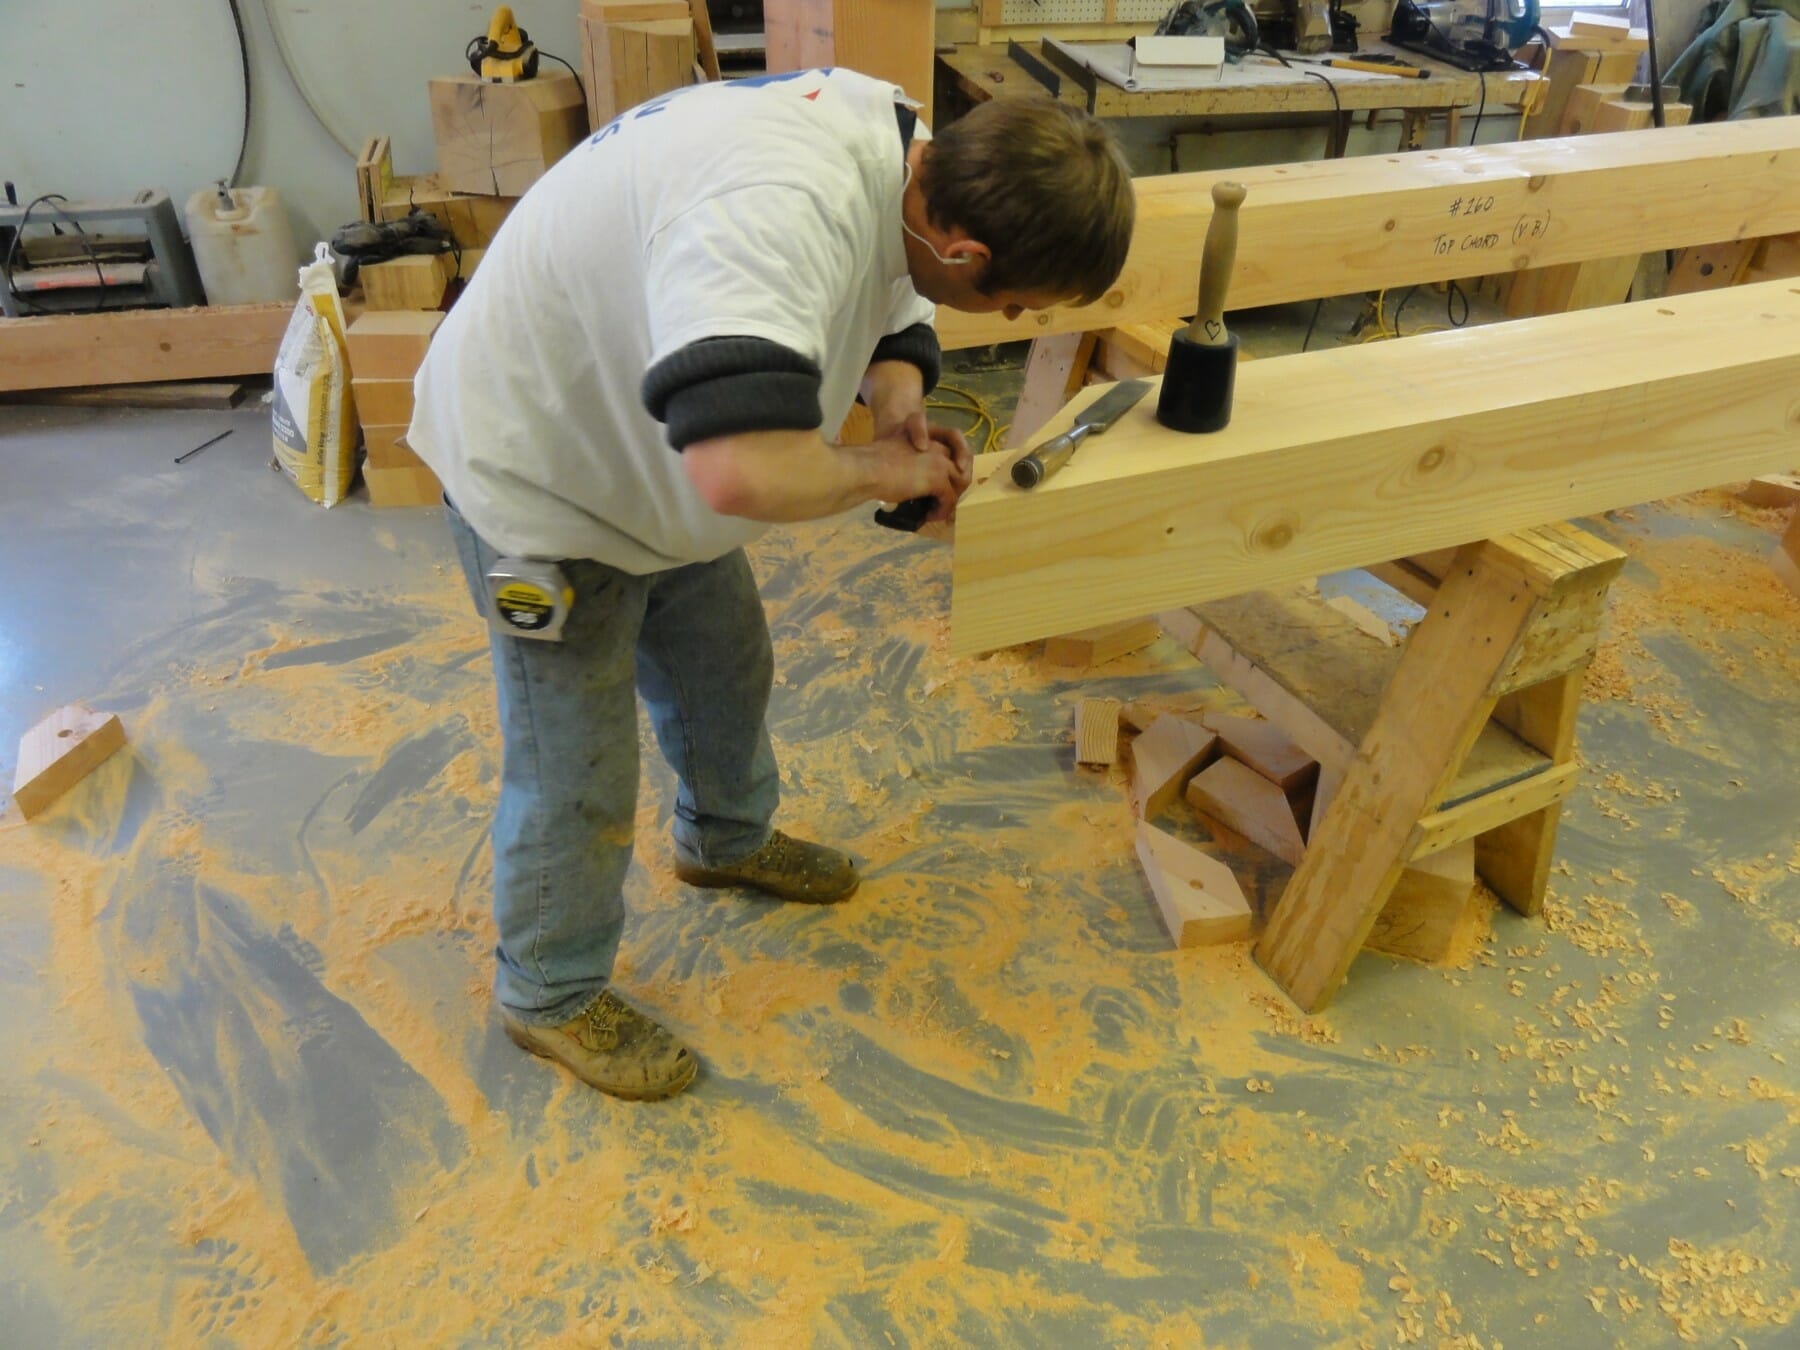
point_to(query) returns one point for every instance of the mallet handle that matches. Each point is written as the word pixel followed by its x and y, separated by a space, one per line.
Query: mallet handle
pixel 1217 259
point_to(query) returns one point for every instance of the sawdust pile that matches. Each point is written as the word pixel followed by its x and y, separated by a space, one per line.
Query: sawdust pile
pixel 257 1081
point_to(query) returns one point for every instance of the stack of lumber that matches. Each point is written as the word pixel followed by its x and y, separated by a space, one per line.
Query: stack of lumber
pixel 386 347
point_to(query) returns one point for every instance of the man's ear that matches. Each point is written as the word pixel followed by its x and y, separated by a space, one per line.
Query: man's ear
pixel 976 252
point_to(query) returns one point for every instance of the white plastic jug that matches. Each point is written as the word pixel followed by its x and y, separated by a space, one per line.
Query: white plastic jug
pixel 243 244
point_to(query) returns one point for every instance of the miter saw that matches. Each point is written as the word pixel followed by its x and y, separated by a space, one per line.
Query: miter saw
pixel 1478 35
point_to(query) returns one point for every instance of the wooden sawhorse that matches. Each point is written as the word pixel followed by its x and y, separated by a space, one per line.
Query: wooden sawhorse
pixel 1465 732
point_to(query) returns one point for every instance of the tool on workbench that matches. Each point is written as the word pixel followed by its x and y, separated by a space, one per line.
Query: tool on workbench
pixel 1399 68
pixel 1202 368
pixel 1092 420
pixel 505 54
pixel 1232 20
pixel 1477 35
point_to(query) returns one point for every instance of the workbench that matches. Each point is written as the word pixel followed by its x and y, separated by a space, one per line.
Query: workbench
pixel 976 73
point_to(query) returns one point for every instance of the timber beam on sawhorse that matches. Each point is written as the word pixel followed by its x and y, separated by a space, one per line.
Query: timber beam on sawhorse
pixel 1340 458
pixel 1335 227
pixel 1468 732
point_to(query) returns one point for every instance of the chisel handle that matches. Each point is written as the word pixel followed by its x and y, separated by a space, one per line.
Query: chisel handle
pixel 1048 457
pixel 1217 259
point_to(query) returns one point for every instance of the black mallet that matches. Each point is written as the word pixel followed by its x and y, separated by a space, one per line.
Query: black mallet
pixel 1202 368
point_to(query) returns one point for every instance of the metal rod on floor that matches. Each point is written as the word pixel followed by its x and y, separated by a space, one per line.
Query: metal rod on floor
pixel 203 444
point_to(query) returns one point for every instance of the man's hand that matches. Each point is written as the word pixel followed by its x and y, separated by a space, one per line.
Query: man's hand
pixel 935 441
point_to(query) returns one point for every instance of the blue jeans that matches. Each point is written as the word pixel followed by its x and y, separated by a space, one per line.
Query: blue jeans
pixel 695 643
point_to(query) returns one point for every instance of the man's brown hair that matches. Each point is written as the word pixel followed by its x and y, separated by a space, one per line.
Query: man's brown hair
pixel 1044 186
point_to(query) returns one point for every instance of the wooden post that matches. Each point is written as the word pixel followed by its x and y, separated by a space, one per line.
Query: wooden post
pixel 889 39
pixel 1054 370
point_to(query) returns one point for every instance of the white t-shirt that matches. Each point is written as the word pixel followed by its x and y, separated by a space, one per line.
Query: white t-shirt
pixel 765 208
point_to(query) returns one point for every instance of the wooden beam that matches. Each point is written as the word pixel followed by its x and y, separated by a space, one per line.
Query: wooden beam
pixel 1334 227
pixel 1341 458
pixel 139 346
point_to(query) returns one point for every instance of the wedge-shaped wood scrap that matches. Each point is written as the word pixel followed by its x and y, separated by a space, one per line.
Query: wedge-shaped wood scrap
pixel 1097 731
pixel 1201 902
pixel 59 752
pixel 1773 489
pixel 1428 902
pixel 1364 618
pixel 1265 747
pixel 1164 757
pixel 1097 646
pixel 1238 797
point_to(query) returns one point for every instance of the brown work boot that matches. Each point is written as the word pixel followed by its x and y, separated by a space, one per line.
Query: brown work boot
pixel 614 1047
pixel 786 868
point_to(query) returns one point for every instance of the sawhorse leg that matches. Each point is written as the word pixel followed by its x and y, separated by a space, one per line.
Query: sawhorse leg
pixel 1471 649
pixel 1515 858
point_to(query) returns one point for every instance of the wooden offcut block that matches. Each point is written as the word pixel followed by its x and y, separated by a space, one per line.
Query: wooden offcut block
pixel 1265 747
pixel 382 445
pixel 1096 646
pixel 59 752
pixel 415 486
pixel 1427 903
pixel 1169 752
pixel 1097 731
pixel 498 139
pixel 633 11
pixel 1772 490
pixel 389 344
pixel 383 402
pixel 1599 25
pixel 471 218
pixel 416 281
pixel 1241 799
pixel 1200 901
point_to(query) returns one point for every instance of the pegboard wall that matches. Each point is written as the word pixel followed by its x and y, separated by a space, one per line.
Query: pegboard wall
pixel 1044 12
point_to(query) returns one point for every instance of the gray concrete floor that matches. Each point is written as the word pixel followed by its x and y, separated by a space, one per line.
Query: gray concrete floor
pixel 255 1095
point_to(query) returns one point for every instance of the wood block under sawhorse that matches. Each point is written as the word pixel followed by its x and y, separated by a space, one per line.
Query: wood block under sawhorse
pixel 1467 732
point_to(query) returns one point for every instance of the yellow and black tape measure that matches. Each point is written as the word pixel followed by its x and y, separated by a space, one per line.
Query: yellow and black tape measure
pixel 529 599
